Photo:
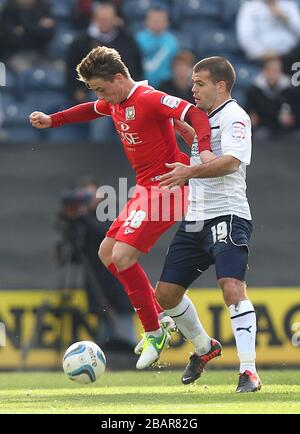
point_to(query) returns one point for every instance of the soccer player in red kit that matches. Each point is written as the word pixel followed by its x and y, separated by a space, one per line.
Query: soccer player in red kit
pixel 143 118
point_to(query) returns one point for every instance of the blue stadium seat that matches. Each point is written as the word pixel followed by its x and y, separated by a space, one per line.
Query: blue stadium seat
pixel 43 77
pixel 198 8
pixel 246 73
pixel 240 95
pixel 48 101
pixel 63 38
pixel 185 40
pixel 136 25
pixel 200 25
pixel 21 133
pixel 230 10
pixel 137 9
pixel 2 4
pixel 15 111
pixel 62 8
pixel 66 134
pixel 216 42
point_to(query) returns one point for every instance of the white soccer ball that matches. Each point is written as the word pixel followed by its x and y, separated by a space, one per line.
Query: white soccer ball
pixel 84 362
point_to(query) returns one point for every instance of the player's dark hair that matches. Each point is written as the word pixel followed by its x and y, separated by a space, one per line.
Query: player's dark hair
pixel 101 62
pixel 219 68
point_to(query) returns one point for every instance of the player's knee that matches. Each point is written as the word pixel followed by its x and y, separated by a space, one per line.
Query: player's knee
pixel 104 255
pixel 122 259
pixel 121 262
pixel 233 290
pixel 165 297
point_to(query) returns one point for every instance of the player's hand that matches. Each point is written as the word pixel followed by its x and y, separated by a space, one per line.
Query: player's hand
pixel 40 120
pixel 178 177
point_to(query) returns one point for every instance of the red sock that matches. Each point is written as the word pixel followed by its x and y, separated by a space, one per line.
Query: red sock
pixel 112 268
pixel 140 293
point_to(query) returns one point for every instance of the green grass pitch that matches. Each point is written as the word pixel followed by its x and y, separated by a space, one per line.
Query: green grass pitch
pixel 150 392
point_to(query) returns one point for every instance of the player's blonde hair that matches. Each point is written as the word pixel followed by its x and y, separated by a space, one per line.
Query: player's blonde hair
pixel 101 62
pixel 219 68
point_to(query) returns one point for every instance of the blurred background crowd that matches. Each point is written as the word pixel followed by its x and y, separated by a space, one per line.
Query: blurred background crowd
pixel 42 41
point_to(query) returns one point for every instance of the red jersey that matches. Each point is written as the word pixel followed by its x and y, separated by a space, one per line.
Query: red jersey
pixel 144 123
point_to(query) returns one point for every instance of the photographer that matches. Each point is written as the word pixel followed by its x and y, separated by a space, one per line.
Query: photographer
pixel 80 235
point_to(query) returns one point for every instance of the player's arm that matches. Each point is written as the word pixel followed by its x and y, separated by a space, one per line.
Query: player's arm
pixel 80 113
pixel 158 104
pixel 189 135
pixel 200 123
pixel 181 173
pixel 185 130
pixel 236 147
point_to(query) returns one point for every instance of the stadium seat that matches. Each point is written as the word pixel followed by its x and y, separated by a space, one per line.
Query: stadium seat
pixel 48 101
pixel 229 11
pixel 220 42
pixel 185 40
pixel 62 8
pixel 15 112
pixel 240 95
pixel 64 36
pixel 21 134
pixel 43 77
pixel 67 134
pixel 200 25
pixel 137 9
pixel 136 25
pixel 246 73
pixel 197 8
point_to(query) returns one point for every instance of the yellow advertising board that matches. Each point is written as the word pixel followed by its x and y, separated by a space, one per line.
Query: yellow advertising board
pixel 37 332
pixel 278 326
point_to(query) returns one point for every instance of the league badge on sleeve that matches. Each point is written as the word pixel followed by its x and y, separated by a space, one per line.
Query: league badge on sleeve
pixel 238 130
pixel 170 101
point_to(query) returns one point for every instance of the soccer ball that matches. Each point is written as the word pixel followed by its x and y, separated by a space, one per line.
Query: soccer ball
pixel 84 362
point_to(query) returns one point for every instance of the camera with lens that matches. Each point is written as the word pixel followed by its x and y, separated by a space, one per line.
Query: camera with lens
pixel 69 225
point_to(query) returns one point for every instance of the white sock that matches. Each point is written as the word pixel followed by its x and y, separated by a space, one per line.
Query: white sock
pixel 186 319
pixel 243 321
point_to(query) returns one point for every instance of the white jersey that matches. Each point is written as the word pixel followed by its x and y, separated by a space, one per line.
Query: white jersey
pixel 226 195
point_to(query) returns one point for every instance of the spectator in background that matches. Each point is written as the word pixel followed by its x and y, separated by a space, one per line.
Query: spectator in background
pixel 26 28
pixel 104 29
pixel 271 101
pixel 80 233
pixel 110 287
pixel 158 46
pixel 270 27
pixel 180 84
pixel 82 11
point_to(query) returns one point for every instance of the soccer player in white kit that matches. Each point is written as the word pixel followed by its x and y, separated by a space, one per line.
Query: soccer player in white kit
pixel 217 227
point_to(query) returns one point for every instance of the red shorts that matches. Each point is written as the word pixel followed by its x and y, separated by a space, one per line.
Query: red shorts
pixel 146 216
